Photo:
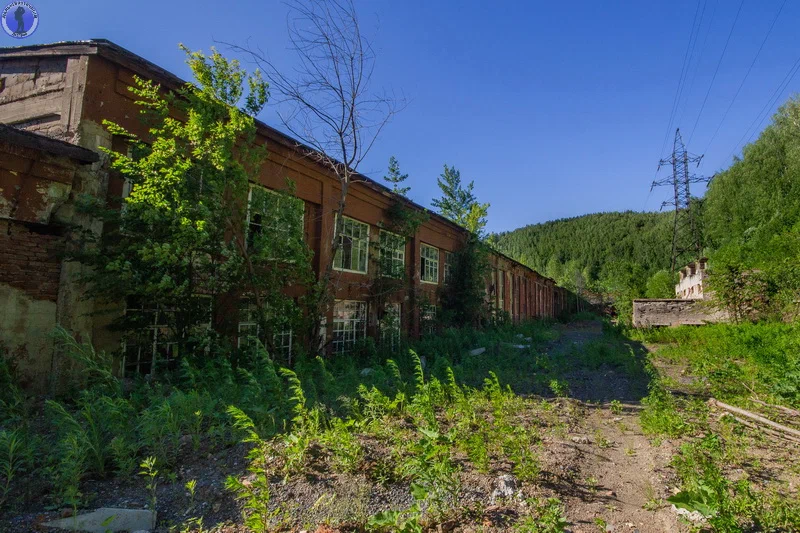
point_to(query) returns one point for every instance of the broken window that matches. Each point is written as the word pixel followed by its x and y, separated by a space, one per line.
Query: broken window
pixel 391 325
pixel 501 290
pixel 353 246
pixel 274 221
pixel 429 264
pixel 392 254
pixel 154 333
pixel 428 318
pixel 449 266
pixel 250 329
pixel 349 324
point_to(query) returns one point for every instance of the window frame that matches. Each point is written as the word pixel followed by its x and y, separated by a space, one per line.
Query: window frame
pixel 391 335
pixel 340 252
pixel 262 225
pixel 249 308
pixel 449 257
pixel 423 266
pixel 359 331
pixel 402 251
pixel 501 289
pixel 427 318
pixel 153 332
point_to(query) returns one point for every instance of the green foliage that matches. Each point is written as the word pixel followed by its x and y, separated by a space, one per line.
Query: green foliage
pixel 463 296
pixel 547 516
pixel 16 457
pixel 589 242
pixel 396 178
pixel 94 426
pixel 729 506
pixel 745 294
pixel 434 476
pixel 255 494
pixel 752 206
pixel 661 414
pixel 404 220
pixel 182 234
pixel 405 521
pixel 150 473
pixel 340 440
pixel 69 469
pixel 661 285
pixel 96 367
pixel 459 204
pixel 13 403
pixel 737 360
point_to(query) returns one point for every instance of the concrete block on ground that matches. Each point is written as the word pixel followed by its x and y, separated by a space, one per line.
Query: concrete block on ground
pixel 108 519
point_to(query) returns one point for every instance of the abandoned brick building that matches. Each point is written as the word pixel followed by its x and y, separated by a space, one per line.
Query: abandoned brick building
pixel 692 279
pixel 53 100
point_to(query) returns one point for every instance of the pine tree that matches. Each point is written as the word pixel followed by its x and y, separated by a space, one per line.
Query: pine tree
pixel 458 203
pixel 396 178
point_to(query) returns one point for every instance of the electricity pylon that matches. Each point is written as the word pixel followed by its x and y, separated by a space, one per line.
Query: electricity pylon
pixel 685 231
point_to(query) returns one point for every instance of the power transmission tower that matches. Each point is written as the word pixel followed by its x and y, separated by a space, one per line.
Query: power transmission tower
pixel 685 231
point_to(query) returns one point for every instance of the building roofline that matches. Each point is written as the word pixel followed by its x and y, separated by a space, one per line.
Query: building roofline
pixel 118 54
pixel 43 143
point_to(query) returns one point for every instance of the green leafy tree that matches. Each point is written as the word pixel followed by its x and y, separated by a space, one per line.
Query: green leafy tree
pixel 463 294
pixel 396 178
pixel 622 282
pixel 331 109
pixel 191 227
pixel 458 202
pixel 661 285
pixel 752 221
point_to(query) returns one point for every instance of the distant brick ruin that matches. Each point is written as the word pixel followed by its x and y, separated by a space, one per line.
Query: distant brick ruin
pixel 692 277
pixel 692 305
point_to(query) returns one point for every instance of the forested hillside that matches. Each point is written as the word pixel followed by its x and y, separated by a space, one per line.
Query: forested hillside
pixel 592 244
pixel 750 221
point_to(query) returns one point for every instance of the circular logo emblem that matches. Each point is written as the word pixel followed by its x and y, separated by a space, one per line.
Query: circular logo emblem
pixel 20 19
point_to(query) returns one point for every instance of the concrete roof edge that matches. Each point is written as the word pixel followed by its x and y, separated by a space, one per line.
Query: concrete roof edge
pixel 41 142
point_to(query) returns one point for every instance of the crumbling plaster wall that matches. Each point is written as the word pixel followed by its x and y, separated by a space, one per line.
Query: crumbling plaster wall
pixel 675 312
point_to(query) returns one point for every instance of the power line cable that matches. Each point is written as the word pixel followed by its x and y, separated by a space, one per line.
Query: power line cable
pixel 699 61
pixel 764 113
pixel 681 78
pixel 716 70
pixel 739 89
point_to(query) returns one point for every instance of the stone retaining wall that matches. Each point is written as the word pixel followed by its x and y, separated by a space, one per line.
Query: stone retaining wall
pixel 674 312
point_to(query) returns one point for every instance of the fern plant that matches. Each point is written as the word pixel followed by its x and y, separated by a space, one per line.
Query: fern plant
pixel 14 459
pixel 255 494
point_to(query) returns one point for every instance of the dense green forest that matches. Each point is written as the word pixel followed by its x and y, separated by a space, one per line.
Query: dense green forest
pixel 588 243
pixel 750 222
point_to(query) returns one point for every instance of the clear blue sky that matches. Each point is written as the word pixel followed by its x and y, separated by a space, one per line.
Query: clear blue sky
pixel 555 109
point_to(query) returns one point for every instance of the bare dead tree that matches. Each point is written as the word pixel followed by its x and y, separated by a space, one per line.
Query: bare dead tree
pixel 326 102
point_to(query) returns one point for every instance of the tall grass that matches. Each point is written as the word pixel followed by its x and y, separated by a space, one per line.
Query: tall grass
pixel 737 360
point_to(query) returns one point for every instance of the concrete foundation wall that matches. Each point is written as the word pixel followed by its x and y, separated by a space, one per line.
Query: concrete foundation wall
pixel 676 312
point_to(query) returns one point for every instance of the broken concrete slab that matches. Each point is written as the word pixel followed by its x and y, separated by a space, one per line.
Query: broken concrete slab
pixel 476 351
pixel 108 519
pixel 517 346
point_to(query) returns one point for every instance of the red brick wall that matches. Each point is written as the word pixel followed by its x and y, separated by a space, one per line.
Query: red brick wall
pixel 29 259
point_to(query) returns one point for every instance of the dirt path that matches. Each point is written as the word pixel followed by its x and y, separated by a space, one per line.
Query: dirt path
pixel 620 478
